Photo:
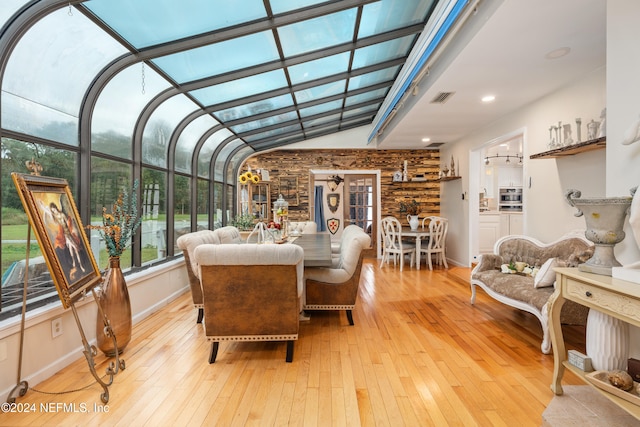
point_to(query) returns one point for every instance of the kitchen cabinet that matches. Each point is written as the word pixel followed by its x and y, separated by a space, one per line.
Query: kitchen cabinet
pixel 488 231
pixel 510 176
pixel 510 223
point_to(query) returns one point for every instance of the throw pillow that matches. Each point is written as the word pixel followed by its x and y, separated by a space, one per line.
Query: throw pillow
pixel 546 276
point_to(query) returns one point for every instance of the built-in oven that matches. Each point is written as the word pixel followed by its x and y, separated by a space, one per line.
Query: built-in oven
pixel 510 199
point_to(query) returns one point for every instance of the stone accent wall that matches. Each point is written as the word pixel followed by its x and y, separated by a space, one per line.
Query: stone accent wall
pixel 299 162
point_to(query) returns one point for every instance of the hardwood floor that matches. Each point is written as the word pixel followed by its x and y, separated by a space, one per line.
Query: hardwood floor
pixel 419 355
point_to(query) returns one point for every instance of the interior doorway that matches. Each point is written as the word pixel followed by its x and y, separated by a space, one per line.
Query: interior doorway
pixel 355 201
pixel 494 166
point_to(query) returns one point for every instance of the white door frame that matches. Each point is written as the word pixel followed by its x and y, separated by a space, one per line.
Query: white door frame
pixel 375 172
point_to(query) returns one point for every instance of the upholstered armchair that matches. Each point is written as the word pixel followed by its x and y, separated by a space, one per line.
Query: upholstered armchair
pixel 251 292
pixel 336 287
pixel 188 243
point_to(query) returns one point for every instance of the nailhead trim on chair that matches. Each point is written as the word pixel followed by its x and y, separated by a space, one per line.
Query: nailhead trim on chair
pixel 255 338
pixel 328 307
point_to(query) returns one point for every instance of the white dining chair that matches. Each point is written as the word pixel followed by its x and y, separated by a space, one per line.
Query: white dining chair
pixel 393 244
pixel 435 244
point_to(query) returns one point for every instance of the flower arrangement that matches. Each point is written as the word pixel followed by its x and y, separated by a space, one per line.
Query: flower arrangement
pixel 119 226
pixel 411 207
pixel 249 177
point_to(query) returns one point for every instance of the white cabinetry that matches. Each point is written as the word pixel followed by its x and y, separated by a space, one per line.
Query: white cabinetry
pixel 488 232
pixel 510 223
pixel 510 176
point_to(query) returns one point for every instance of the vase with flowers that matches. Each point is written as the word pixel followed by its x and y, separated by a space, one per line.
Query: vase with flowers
pixel 117 230
pixel 411 208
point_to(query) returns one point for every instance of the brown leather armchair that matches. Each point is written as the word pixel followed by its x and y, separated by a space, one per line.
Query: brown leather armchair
pixel 189 242
pixel 336 287
pixel 251 292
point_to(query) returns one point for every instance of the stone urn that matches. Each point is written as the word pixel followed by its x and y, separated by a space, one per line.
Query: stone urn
pixel 605 221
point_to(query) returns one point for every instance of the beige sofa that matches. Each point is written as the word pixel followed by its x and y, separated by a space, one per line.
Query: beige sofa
pixel 517 290
pixel 188 242
pixel 251 292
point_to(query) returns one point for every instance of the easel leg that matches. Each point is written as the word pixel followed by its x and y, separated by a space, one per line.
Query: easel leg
pixel 22 386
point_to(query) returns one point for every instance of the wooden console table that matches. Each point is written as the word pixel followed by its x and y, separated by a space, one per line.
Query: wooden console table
pixel 615 297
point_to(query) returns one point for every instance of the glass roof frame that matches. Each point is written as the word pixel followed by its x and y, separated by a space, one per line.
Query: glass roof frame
pixel 272 23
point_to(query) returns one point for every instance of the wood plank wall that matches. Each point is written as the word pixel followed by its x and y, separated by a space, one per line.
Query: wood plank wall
pixel 300 162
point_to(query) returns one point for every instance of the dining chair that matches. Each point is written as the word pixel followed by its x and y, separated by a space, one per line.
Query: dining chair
pixel 435 244
pixel 393 243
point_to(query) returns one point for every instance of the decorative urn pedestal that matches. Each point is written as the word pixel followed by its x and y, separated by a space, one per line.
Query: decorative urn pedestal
pixel 607 338
pixel 114 299
pixel 605 221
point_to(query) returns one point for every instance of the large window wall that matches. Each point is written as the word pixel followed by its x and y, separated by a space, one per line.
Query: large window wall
pixel 101 133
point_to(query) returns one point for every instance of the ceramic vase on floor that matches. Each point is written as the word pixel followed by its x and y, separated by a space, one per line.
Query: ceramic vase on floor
pixel 116 305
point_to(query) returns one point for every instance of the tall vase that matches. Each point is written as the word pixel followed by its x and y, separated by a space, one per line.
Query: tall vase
pixel 607 341
pixel 413 221
pixel 115 303
pixel 605 221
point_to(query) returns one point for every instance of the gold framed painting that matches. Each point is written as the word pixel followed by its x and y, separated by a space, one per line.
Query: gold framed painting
pixel 288 187
pixel 54 218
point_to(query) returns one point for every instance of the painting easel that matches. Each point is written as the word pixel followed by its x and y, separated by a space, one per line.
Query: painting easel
pixel 71 288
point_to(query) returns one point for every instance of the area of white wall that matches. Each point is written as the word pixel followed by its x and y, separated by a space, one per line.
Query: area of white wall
pixel 623 108
pixel 623 112
pixel 43 355
pixel 352 138
pixel 548 215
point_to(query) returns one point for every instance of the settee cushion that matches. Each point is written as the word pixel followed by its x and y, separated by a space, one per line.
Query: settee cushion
pixel 546 276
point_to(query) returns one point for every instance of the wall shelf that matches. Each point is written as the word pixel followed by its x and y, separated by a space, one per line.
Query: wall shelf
pixel 449 178
pixel 581 147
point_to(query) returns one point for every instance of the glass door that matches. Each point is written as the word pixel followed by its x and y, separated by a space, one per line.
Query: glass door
pixel 360 208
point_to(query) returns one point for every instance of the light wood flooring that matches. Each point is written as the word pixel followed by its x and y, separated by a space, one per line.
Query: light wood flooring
pixel 419 355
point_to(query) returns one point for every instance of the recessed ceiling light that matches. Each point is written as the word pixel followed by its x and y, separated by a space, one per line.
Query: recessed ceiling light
pixel 426 139
pixel 488 98
pixel 558 53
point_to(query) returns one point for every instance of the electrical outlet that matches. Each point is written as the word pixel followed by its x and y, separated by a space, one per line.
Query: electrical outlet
pixel 56 327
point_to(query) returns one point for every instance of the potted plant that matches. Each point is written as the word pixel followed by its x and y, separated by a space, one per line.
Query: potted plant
pixel 117 229
pixel 243 222
pixel 411 209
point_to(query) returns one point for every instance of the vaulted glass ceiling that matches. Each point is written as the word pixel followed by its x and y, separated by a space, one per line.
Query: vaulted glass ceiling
pixel 269 72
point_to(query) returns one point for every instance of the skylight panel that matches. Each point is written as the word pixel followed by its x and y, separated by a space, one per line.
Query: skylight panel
pixel 367 96
pixel 373 78
pixel 380 52
pixel 145 23
pixel 319 68
pixel 241 88
pixel 321 91
pixel 254 108
pixel 220 58
pixel 264 122
pixel 321 108
pixel 388 15
pixel 282 6
pixel 318 33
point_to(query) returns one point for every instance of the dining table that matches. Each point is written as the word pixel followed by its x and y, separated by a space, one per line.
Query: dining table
pixel 419 234
pixel 317 248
